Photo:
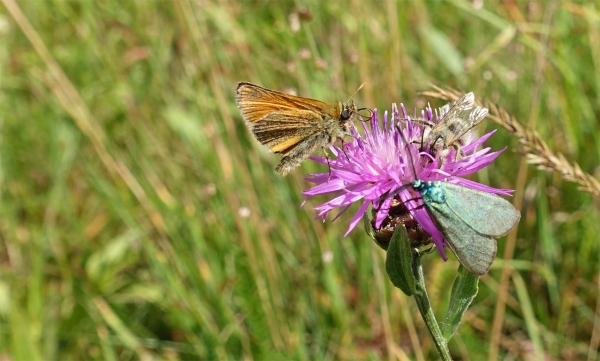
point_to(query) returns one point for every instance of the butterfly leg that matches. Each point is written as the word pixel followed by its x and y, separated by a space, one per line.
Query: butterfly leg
pixel 297 154
pixel 328 164
pixel 344 149
pixel 368 117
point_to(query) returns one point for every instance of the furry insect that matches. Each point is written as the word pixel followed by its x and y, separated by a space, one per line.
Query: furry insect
pixel 452 131
pixel 291 125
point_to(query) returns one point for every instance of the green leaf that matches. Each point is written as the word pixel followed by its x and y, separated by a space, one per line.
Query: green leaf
pixel 368 227
pixel 398 262
pixel 464 291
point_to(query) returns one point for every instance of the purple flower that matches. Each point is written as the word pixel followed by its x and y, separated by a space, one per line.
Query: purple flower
pixel 379 167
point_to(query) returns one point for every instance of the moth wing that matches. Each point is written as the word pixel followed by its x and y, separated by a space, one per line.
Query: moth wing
pixel 256 102
pixel 282 131
pixel 474 251
pixel 487 214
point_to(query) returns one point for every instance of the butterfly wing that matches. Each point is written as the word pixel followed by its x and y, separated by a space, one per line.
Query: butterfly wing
pixel 487 214
pixel 256 102
pixel 282 131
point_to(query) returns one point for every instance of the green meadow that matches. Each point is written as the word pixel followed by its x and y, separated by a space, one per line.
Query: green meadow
pixel 140 220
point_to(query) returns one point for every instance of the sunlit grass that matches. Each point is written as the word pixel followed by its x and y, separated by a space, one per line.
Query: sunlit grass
pixel 126 176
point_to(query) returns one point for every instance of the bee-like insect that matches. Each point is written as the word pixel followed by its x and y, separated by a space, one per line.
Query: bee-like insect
pixel 452 131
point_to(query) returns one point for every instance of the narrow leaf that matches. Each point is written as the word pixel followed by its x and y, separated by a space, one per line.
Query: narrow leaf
pixel 444 49
pixel 464 291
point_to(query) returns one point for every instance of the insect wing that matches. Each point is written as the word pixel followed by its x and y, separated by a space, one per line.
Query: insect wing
pixel 453 117
pixel 282 131
pixel 256 102
pixel 470 220
pixel 464 125
pixel 487 214
pixel 474 251
pixel 455 108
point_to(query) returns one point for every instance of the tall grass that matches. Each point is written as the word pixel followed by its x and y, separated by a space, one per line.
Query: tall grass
pixel 139 219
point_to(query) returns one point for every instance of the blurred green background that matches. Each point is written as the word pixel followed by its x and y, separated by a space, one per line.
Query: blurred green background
pixel 140 220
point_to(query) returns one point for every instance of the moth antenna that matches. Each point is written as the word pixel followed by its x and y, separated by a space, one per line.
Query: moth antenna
pixel 412 160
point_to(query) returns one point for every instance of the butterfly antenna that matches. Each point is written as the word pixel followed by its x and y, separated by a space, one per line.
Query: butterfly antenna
pixel 359 88
pixel 370 116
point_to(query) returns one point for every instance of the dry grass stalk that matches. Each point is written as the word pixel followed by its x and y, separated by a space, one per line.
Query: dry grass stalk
pixel 536 149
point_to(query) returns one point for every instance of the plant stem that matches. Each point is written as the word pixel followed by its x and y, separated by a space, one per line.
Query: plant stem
pixel 425 309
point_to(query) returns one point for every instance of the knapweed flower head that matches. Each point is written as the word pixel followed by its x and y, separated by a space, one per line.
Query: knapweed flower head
pixel 379 167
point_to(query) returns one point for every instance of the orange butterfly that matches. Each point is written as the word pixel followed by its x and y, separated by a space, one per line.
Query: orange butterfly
pixel 291 125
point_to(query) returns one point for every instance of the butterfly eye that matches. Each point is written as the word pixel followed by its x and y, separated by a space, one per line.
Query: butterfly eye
pixel 345 115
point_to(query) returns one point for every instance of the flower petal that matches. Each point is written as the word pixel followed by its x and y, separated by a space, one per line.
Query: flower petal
pixel 381 165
